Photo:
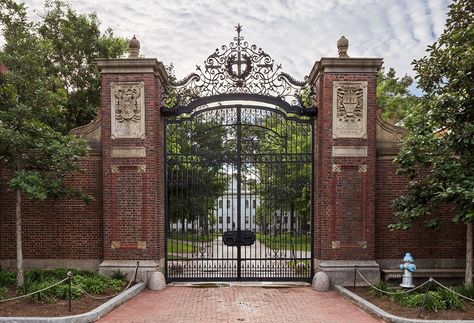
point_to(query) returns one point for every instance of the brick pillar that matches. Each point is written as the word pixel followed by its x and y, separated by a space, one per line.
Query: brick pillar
pixel 345 155
pixel 133 165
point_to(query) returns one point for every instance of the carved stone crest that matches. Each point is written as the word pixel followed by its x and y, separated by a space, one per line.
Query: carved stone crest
pixel 128 110
pixel 350 109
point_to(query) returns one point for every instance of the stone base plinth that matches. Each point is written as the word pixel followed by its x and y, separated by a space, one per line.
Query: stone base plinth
pixel 108 267
pixel 341 272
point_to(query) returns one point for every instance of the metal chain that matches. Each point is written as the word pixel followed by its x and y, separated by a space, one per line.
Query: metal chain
pixel 393 293
pixel 36 292
pixel 445 287
pixel 411 290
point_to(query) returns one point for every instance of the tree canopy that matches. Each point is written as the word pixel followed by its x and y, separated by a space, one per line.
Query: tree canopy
pixel 47 76
pixel 393 95
pixel 438 153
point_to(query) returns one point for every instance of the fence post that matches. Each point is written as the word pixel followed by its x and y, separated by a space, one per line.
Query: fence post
pixel 355 276
pixel 69 293
pixel 426 296
pixel 136 271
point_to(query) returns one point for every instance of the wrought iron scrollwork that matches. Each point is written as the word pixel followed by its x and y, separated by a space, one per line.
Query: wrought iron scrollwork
pixel 238 68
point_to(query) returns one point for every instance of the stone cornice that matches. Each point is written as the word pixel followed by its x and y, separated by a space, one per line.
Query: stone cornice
pixel 132 66
pixel 344 65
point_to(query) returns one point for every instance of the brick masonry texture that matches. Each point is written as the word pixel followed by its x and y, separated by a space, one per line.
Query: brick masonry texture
pixel 126 220
pixel 61 229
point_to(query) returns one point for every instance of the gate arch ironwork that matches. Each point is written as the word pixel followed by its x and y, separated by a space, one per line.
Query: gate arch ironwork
pixel 239 170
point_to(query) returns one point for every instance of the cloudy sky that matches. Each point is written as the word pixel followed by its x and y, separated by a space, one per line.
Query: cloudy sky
pixel 295 33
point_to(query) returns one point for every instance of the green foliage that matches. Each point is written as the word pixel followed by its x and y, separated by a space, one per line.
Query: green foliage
pixel 7 278
pixel 75 41
pixel 92 285
pixel 90 282
pixel 3 292
pixel 382 285
pixel 118 275
pixel 451 300
pixel 393 95
pixel 52 61
pixel 436 300
pixel 117 285
pixel 438 153
pixel 467 291
pixel 196 182
pixel 286 241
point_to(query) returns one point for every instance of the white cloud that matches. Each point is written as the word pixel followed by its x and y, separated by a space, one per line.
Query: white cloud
pixel 295 33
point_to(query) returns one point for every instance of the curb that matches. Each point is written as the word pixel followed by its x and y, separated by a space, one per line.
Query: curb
pixel 377 311
pixel 91 316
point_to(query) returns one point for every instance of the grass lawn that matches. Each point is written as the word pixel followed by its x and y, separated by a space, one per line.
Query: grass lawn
pixel 197 237
pixel 302 242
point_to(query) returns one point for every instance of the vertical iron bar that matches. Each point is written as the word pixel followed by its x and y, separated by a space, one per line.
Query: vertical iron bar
pixel 166 182
pixel 239 183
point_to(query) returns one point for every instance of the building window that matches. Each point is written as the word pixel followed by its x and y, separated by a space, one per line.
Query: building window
pixel 220 204
pixel 220 219
pixel 247 220
pixel 254 202
pixel 228 220
pixel 228 204
pixel 246 204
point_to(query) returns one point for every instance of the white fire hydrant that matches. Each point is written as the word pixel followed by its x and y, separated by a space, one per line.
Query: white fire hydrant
pixel 408 268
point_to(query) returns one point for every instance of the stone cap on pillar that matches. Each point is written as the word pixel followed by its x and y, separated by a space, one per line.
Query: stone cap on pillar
pixel 344 63
pixel 132 66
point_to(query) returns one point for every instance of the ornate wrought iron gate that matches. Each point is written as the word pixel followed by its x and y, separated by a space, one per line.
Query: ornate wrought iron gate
pixel 239 171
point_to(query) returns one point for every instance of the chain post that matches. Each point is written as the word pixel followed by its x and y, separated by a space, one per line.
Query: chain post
pixel 426 297
pixel 136 271
pixel 355 276
pixel 69 292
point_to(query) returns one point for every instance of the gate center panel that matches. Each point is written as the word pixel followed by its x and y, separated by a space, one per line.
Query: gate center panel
pixel 239 195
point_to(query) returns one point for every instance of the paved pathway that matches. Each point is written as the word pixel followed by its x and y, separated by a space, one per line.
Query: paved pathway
pixel 238 304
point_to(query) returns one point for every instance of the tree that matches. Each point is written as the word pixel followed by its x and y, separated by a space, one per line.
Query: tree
pixel 74 42
pixel 438 153
pixel 38 96
pixel 393 95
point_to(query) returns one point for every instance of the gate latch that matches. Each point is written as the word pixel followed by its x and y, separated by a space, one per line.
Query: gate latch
pixel 231 238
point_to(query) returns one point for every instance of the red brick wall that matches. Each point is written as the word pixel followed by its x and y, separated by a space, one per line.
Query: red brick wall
pixel 134 198
pixel 336 216
pixel 57 229
pixel 421 241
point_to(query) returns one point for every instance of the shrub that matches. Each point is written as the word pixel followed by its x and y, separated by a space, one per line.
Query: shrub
pixel 3 291
pixel 7 278
pixel 467 291
pixel 451 300
pixel 47 296
pixel 117 274
pixel 383 287
pixel 116 285
pixel 61 291
pixel 434 301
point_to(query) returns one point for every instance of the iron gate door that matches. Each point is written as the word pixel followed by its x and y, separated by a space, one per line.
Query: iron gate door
pixel 239 183
pixel 239 171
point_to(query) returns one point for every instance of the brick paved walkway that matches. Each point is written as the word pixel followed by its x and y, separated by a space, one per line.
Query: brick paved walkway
pixel 238 304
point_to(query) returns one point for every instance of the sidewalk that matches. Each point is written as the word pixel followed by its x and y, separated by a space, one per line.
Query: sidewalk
pixel 238 304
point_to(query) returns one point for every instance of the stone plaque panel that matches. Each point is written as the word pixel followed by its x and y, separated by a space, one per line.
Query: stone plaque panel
pixel 128 109
pixel 349 109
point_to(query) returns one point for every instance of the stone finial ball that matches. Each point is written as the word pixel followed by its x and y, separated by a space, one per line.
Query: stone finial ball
pixel 342 46
pixel 134 43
